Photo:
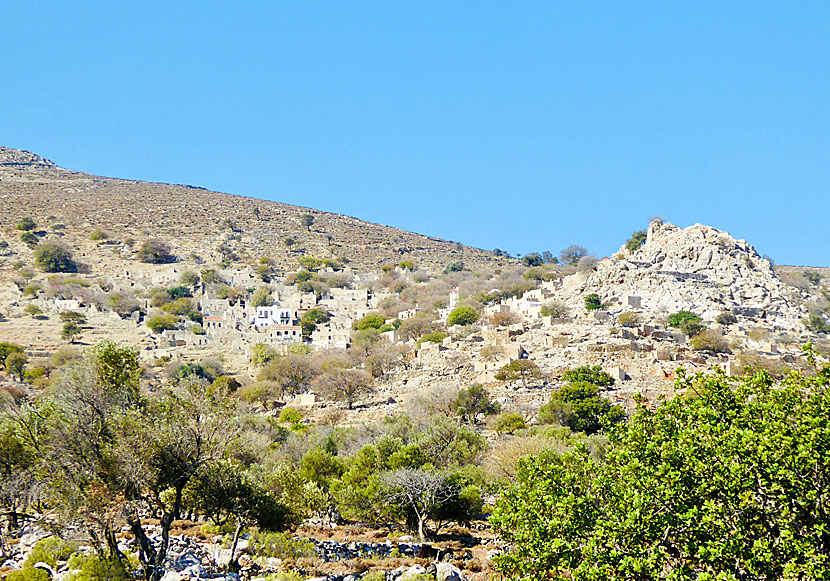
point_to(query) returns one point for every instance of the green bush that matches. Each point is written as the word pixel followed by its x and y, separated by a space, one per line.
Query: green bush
pixel 155 252
pixel 726 318
pixel 95 568
pixel 580 407
pixel 686 321
pixel 281 546
pixel 29 238
pixel 509 423
pixel 817 324
pixel 54 257
pixel 628 319
pixel 593 302
pixel 588 374
pixel 370 321
pixel 637 239
pixel 462 315
pixel 433 337
pixel 290 415
pixel 26 224
pixel 163 322
pixel 710 340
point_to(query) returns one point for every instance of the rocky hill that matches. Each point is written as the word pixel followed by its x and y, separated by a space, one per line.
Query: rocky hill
pixel 209 224
pixel 700 269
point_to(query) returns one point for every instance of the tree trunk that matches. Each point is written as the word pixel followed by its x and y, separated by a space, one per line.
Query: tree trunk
pixel 235 541
pixel 421 536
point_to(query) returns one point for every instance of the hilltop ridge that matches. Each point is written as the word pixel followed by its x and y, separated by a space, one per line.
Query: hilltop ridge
pixel 196 220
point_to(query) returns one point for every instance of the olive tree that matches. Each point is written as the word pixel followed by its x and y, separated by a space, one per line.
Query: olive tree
pixel 728 482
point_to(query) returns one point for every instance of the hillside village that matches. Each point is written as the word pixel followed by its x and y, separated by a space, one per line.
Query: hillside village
pixel 221 290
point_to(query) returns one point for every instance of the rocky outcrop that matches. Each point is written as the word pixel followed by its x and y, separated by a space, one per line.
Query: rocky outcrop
pixel 698 268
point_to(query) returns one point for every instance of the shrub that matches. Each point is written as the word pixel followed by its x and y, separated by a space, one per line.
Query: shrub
pixel 371 321
pixel 155 251
pixel 586 264
pixel 290 415
pixel 98 235
pixel 463 315
pixel 588 374
pixel 54 257
pixel 26 224
pixel 97 568
pixel 580 407
pixel 29 238
pixel 572 254
pixel 433 337
pixel 628 319
pixel 554 309
pixel 509 423
pixel 532 259
pixel 474 400
pixel 519 369
pixel 686 321
pixel 163 322
pixel 281 546
pixel 593 302
pixel 455 267
pixel 817 324
pixel 710 340
pixel 726 318
pixel 637 239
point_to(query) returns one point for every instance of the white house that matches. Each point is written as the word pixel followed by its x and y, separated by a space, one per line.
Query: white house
pixel 271 316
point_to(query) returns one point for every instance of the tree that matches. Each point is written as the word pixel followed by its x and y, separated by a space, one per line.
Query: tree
pixel 155 251
pixel 727 484
pixel 307 220
pixel 474 400
pixel 572 254
pixel 637 239
pixel 532 259
pixel 54 257
pixel 7 349
pixel 263 297
pixel 370 321
pixel 71 331
pixel 291 374
pixel 311 319
pixel 162 322
pixel 686 321
pixel 16 364
pixel 588 374
pixel 421 491
pixel 519 369
pixel 580 407
pixel 462 315
pixel 593 302
pixel 345 384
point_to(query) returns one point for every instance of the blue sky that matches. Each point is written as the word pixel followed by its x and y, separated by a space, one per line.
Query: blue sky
pixel 526 126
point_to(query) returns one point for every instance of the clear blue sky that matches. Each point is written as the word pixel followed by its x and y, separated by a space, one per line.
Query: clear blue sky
pixel 526 126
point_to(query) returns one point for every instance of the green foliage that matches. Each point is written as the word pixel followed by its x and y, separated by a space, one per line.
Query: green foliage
pixel 29 238
pixel 710 340
pixel 593 302
pixel 179 292
pixel 97 235
pixel 71 331
pixel 162 322
pixel 509 423
pixel 311 319
pixel 588 374
pixel 726 318
pixel 26 224
pixel 474 400
pixel 532 259
pixel 54 257
pixel 554 309
pixel 454 267
pixel 290 415
pixel 580 407
pixel 7 349
pixel 370 321
pixel 572 254
pixel 720 485
pixel 432 337
pixel 519 369
pixel 817 324
pixel 179 307
pixel 462 315
pixel 407 265
pixel 155 252
pixel 97 568
pixel 628 319
pixel 282 546
pixel 637 239
pixel 686 321
pixel 15 364
pixel 263 297
pixel 262 354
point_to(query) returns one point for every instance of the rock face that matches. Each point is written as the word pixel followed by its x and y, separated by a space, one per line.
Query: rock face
pixel 698 268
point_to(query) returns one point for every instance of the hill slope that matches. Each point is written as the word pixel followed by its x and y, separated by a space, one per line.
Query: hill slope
pixel 195 220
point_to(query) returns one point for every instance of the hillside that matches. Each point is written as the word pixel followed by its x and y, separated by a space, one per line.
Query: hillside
pixel 197 221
